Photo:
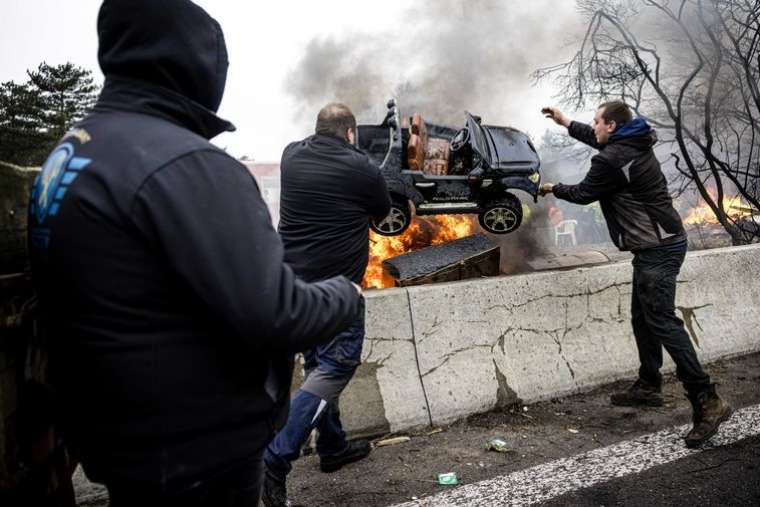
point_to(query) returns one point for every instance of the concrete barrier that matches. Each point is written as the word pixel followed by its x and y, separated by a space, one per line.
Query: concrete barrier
pixel 437 353
pixel 386 394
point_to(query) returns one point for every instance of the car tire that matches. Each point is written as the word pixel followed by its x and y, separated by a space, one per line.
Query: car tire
pixel 502 216
pixel 397 220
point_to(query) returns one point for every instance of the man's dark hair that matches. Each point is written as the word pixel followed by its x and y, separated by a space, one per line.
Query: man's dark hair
pixel 334 120
pixel 617 111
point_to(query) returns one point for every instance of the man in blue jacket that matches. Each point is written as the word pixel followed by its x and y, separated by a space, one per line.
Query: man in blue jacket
pixel 330 190
pixel 626 178
pixel 172 316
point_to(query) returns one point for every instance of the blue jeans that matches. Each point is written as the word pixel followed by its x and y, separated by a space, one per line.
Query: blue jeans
pixel 654 320
pixel 329 368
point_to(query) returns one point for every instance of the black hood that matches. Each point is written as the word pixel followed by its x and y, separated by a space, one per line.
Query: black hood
pixel 167 48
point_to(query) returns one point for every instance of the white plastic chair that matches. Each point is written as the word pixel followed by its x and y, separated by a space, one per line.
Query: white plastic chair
pixel 565 228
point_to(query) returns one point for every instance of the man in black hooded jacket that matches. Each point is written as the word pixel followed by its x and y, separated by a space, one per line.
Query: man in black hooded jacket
pixel 172 318
pixel 330 190
pixel 626 178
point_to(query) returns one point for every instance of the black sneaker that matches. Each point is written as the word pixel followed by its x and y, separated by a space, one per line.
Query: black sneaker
pixel 354 451
pixel 640 394
pixel 710 410
pixel 274 493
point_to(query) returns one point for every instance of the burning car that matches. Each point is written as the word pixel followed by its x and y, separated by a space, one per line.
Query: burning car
pixel 444 170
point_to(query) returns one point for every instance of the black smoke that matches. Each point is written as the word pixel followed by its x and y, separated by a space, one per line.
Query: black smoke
pixel 443 57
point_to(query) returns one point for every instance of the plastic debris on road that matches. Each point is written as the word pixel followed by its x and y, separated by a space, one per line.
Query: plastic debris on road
pixel 498 444
pixel 448 479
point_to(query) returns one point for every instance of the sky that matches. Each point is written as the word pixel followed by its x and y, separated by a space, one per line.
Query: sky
pixel 268 45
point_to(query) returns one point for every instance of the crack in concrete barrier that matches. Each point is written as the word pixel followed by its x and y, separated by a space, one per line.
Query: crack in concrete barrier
pixel 417 357
pixel 389 340
pixel 374 341
pixel 587 294
pixel 500 342
pixel 381 362
pixel 561 354
pixel 689 316
pixel 505 395
pixel 433 326
pixel 447 356
pixel 371 348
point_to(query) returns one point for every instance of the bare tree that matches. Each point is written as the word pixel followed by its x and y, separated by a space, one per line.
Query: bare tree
pixel 692 68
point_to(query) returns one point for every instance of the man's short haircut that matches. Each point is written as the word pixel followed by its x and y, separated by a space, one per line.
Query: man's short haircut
pixel 617 111
pixel 334 120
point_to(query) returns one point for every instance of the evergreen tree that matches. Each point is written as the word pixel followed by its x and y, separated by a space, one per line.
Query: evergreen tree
pixel 35 115
pixel 68 92
pixel 23 137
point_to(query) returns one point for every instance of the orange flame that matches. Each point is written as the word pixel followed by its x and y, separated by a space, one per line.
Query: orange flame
pixel 702 215
pixel 422 232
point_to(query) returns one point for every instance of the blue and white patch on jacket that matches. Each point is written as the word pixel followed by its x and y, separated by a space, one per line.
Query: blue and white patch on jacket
pixel 58 172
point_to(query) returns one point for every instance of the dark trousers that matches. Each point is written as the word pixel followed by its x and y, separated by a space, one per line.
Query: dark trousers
pixel 239 486
pixel 329 368
pixel 654 319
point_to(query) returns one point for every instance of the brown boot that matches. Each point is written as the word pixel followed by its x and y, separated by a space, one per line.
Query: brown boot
pixel 639 394
pixel 710 410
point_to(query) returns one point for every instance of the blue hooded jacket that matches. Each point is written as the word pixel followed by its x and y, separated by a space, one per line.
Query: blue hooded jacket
pixel 637 127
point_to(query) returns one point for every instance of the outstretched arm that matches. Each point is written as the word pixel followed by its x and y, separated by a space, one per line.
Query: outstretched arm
pixel 556 115
pixel 206 217
pixel 580 131
pixel 601 181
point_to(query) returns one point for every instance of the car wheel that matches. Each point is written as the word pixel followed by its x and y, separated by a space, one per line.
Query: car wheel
pixel 397 220
pixel 501 217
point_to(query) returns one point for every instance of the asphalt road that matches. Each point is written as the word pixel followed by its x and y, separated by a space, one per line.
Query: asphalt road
pixel 723 476
pixel 595 476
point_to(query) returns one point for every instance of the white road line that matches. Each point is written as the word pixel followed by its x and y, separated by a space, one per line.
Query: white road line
pixel 549 480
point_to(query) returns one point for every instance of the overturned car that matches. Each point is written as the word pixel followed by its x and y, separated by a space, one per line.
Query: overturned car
pixel 443 170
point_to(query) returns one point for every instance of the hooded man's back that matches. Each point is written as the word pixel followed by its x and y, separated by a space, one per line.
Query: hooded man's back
pixel 172 318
